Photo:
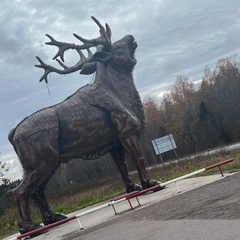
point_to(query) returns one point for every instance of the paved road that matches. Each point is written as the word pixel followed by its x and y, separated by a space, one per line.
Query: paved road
pixel 209 212
pixel 207 208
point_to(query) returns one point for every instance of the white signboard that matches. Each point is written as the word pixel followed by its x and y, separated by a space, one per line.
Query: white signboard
pixel 164 144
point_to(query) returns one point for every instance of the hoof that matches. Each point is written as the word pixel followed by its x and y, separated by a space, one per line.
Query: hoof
pixel 133 188
pixel 158 183
pixel 27 226
pixel 152 183
pixel 53 218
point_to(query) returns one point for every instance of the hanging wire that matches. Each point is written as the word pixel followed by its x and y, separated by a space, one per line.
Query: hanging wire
pixel 92 78
pixel 48 89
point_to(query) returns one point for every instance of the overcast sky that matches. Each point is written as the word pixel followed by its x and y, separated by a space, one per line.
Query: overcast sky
pixel 174 37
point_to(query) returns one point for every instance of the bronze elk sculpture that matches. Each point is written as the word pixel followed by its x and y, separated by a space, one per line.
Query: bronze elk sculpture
pixel 103 117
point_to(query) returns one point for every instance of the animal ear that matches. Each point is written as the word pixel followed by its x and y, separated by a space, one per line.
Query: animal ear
pixel 88 68
pixel 102 56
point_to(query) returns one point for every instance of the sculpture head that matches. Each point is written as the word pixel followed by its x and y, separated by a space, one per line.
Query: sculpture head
pixel 120 53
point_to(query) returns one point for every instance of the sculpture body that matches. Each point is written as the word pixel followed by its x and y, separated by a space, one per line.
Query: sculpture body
pixel 105 116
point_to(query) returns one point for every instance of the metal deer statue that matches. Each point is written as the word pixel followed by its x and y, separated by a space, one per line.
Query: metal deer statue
pixel 103 117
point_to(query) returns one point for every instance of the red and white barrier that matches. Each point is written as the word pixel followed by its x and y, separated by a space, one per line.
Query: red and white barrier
pixel 44 228
pixel 198 171
pixel 156 187
pixel 125 197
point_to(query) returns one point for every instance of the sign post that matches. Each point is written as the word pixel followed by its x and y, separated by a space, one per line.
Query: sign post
pixel 164 144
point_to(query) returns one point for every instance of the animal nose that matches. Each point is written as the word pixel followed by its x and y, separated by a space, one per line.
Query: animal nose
pixel 130 37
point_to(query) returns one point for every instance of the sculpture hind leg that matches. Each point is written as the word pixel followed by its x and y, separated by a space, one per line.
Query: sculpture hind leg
pixel 39 160
pixel 39 199
pixel 118 155
pixel 22 197
pixel 32 185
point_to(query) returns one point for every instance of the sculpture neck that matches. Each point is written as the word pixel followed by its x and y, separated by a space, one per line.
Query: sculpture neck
pixel 121 84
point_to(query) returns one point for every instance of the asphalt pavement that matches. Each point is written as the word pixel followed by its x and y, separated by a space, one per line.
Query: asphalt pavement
pixel 206 208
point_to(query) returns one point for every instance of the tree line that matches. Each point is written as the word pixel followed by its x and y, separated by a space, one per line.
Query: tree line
pixel 200 117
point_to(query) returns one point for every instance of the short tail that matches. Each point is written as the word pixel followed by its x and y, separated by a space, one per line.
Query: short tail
pixel 10 136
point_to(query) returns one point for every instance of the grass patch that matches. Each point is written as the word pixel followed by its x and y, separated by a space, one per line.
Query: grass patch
pixel 174 170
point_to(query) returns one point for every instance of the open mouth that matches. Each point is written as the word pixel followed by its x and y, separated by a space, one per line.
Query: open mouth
pixel 134 45
pixel 133 48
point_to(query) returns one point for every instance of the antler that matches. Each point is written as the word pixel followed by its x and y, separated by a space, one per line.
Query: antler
pixel 104 40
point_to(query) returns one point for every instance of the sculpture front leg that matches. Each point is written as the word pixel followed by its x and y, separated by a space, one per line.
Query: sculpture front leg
pixel 132 145
pixel 118 155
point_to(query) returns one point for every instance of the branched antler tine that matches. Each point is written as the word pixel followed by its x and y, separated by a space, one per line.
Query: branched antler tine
pixel 51 38
pixel 89 42
pixel 89 54
pixel 62 47
pixel 82 57
pixel 108 31
pixel 104 38
pixel 78 65
pixel 46 69
pixel 54 42
pixel 105 34
pixel 60 53
pixel 79 38
pixel 99 24
pixel 82 60
pixel 41 62
pixel 81 54
pixel 61 63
